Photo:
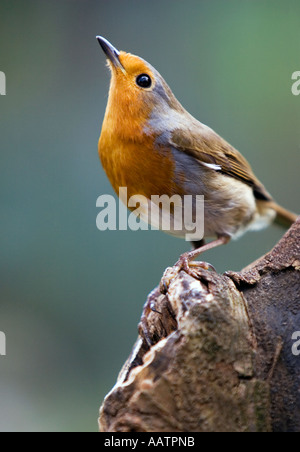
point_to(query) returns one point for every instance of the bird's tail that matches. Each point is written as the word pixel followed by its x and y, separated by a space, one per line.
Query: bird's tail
pixel 284 217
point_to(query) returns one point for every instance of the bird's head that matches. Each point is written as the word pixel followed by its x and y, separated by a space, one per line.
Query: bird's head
pixel 137 91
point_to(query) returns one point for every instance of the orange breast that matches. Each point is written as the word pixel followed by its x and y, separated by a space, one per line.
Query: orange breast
pixel 138 165
pixel 129 155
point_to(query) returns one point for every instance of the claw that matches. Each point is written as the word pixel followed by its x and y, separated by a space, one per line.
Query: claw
pixel 185 263
pixel 204 265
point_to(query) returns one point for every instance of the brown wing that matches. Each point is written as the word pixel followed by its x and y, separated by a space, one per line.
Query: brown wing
pixel 212 151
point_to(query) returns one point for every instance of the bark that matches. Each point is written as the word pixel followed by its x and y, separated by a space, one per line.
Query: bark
pixel 215 354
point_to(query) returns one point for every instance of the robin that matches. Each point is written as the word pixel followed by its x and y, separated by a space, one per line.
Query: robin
pixel 152 146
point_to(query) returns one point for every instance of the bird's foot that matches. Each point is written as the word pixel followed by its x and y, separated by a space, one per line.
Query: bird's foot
pixel 185 264
pixel 191 267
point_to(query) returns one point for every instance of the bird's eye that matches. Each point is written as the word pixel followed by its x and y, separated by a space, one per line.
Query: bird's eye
pixel 144 81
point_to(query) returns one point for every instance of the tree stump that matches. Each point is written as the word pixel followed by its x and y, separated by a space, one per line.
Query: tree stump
pixel 215 354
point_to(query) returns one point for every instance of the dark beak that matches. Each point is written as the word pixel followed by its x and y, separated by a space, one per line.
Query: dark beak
pixel 111 52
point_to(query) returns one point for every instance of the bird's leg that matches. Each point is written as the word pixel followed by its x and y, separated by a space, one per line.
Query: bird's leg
pixel 185 262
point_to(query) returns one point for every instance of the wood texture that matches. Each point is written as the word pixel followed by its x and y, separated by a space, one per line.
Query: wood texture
pixel 215 354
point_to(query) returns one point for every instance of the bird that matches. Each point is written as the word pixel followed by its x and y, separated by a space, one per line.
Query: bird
pixel 151 145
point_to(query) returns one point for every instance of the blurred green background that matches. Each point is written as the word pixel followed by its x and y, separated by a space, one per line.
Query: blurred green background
pixel 71 296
